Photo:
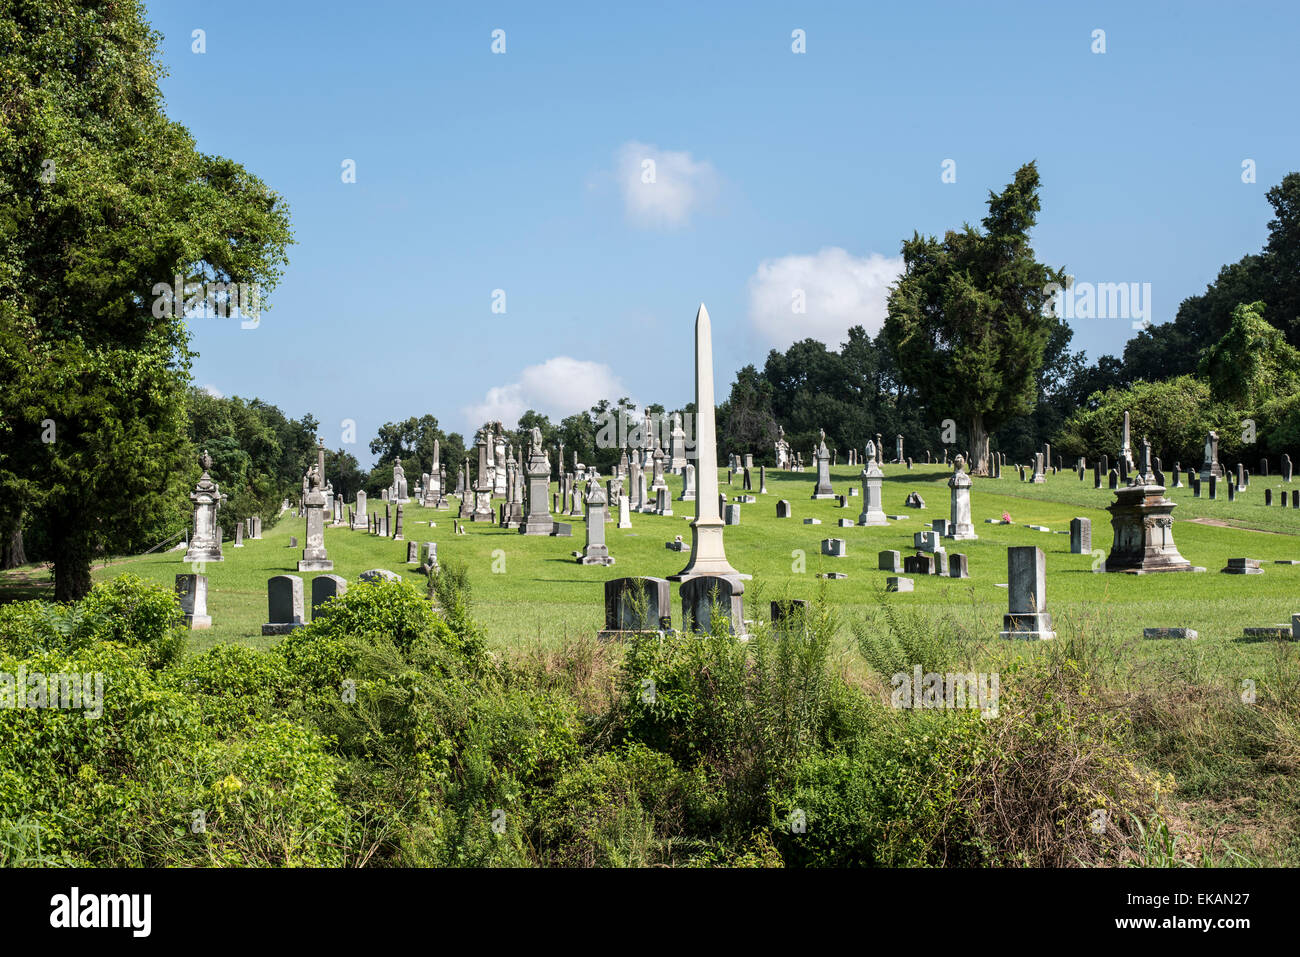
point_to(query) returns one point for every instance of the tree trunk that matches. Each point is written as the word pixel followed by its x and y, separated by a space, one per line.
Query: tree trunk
pixel 979 446
pixel 71 551
pixel 12 553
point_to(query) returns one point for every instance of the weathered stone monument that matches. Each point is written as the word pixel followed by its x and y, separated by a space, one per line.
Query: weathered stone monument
pixel 705 594
pixel 960 525
pixel 1210 466
pixel 537 520
pixel 873 512
pixel 284 605
pixel 596 552
pixel 688 483
pixel 314 556
pixel 1125 448
pixel 192 593
pixel 1080 536
pixel 1143 527
pixel 1038 477
pixel 1027 615
pixel 635 605
pixel 397 491
pixel 677 445
pixel 708 554
pixel 205 540
pixel 325 587
pixel 823 458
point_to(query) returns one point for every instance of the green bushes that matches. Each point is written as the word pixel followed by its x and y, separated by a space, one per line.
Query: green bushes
pixel 127 610
pixel 383 734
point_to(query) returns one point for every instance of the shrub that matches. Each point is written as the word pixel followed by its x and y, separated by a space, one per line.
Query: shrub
pixel 234 686
pixel 127 610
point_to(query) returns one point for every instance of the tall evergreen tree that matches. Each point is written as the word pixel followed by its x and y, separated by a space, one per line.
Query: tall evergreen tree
pixel 967 318
pixel 103 198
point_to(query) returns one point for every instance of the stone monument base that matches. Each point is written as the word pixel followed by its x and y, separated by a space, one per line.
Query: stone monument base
pixel 1030 627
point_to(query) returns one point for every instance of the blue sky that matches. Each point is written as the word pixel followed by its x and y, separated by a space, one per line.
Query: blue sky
pixel 774 171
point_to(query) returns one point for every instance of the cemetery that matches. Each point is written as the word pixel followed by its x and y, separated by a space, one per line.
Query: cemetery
pixel 877 565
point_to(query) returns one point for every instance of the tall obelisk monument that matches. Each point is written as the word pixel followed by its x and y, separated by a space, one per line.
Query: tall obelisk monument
pixel 708 557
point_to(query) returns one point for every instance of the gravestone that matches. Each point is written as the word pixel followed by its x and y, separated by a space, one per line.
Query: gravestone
pixel 708 553
pixel 596 552
pixel 239 534
pixel 1268 496
pixel 192 593
pixel 1125 449
pixel 958 566
pixel 1038 478
pixel 1027 615
pixel 537 470
pixel 663 502
pixel 897 584
pixel 412 553
pixel 325 587
pixel 783 509
pixel 822 457
pixel 889 561
pixel 762 480
pixel 624 512
pixel 873 478
pixel 1113 479
pixel 702 594
pixel 790 611
pixel 1286 467
pixel 284 605
pixel 834 547
pixel 1143 526
pixel 1243 566
pixel 732 514
pixel 314 556
pixel 677 445
pixel 1080 536
pixel 379 574
pixel 688 483
pixel 205 540
pixel 636 604
pixel 1210 466
pixel 960 527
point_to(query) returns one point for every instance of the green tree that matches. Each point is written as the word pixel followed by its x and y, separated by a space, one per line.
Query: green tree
pixel 967 319
pixel 102 199
pixel 1252 363
pixel 1174 415
pixel 746 422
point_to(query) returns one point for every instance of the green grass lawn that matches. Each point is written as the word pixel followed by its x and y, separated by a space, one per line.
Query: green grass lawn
pixel 530 588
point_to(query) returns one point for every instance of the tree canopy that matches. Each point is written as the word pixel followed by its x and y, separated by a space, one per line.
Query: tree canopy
pixel 102 199
pixel 967 320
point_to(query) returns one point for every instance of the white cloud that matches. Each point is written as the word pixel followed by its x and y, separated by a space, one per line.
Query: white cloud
pixel 838 290
pixel 213 391
pixel 662 188
pixel 557 387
